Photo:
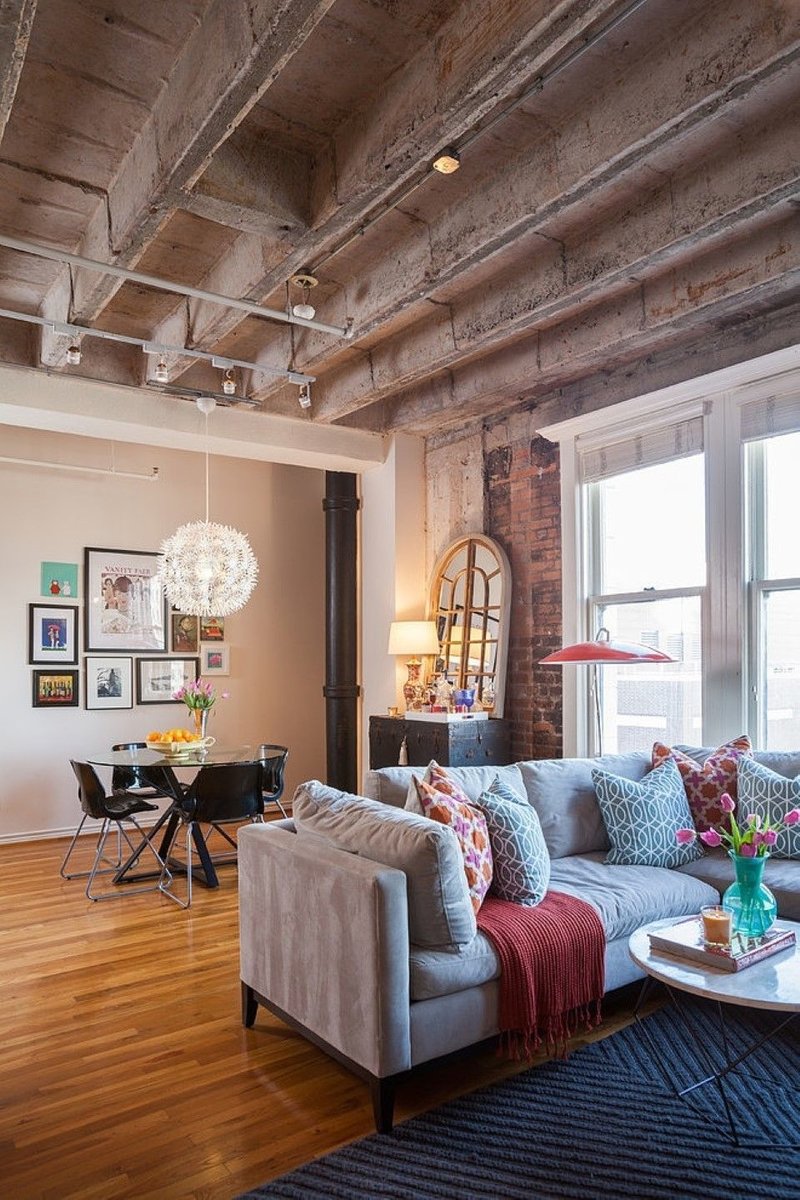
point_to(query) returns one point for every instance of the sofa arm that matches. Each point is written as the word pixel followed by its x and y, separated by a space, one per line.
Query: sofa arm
pixel 324 936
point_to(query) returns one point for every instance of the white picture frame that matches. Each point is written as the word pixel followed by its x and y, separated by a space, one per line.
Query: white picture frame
pixel 215 659
pixel 108 682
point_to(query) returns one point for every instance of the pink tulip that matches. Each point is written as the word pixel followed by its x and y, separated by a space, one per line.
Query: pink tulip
pixel 753 819
pixel 725 803
pixel 225 695
pixel 769 838
pixel 748 850
pixel 711 837
pixel 792 816
pixel 684 836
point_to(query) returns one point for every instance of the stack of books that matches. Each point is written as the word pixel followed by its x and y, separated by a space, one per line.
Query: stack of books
pixel 684 939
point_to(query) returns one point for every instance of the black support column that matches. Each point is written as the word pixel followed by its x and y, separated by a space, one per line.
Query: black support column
pixel 341 628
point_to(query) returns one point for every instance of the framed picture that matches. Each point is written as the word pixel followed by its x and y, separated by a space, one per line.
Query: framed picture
pixel 215 660
pixel 158 678
pixel 55 689
pixel 52 633
pixel 108 682
pixel 212 629
pixel 184 632
pixel 125 607
pixel 59 579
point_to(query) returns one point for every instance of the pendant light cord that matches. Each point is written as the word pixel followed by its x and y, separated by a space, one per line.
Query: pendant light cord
pixel 206 417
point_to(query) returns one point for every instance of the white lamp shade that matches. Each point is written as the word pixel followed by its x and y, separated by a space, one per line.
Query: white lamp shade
pixel 413 638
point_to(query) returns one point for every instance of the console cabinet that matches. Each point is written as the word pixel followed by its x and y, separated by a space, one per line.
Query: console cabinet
pixel 451 743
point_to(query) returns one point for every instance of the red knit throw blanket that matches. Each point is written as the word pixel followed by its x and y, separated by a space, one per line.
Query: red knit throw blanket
pixel 552 980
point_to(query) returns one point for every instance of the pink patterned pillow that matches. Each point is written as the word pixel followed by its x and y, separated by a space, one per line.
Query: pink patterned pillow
pixel 470 828
pixel 705 783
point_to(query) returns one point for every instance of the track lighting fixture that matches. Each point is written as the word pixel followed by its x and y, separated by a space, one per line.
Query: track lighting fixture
pixel 304 396
pixel 229 383
pixel 161 371
pixel 447 161
pixel 305 280
pixel 74 354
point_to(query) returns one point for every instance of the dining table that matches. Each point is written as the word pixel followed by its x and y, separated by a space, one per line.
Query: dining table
pixel 159 771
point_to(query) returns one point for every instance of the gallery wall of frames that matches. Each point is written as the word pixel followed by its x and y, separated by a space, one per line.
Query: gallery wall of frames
pixel 109 640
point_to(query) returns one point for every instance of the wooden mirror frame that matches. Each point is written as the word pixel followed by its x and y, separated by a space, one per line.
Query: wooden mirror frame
pixel 471 589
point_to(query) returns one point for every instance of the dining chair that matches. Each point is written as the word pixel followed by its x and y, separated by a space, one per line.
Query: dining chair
pixel 112 810
pixel 273 764
pixel 217 796
pixel 135 777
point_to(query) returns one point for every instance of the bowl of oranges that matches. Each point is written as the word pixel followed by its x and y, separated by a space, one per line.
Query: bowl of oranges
pixel 177 742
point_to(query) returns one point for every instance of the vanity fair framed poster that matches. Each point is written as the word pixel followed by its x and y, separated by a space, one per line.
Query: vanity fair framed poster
pixel 125 608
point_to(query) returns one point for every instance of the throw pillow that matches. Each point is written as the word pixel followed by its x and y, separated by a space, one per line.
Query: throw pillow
pixel 643 818
pixel 520 862
pixel 439 778
pixel 469 826
pixel 765 794
pixel 705 782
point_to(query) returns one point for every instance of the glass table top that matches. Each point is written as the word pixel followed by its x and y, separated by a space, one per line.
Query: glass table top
pixel 215 756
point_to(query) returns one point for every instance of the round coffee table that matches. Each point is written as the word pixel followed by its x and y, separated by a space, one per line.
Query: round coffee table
pixel 772 984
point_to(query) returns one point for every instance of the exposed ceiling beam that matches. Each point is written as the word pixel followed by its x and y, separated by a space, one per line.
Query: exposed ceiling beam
pixel 16 23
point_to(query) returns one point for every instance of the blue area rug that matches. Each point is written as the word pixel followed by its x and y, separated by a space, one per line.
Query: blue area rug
pixel 602 1124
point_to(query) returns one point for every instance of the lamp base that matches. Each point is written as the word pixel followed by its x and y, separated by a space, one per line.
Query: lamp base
pixel 415 693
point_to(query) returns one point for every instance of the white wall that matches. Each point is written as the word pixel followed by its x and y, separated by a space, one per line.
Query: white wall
pixel 276 641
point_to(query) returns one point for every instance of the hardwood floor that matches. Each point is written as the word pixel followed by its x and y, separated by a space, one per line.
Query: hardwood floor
pixel 124 1068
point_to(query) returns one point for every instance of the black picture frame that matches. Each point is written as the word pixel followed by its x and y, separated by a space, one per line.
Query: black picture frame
pixel 56 624
pixel 125 610
pixel 56 688
pixel 158 678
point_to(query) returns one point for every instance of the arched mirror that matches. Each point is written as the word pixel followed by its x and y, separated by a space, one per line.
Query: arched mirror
pixel 470 600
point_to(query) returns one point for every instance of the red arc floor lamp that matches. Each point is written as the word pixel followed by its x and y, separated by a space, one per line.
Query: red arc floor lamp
pixel 604 651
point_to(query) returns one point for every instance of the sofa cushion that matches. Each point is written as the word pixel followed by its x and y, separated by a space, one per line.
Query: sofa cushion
pixel 643 818
pixel 439 908
pixel 765 794
pixel 783 762
pixel 781 876
pixel 436 777
pixel 440 972
pixel 627 897
pixel 390 784
pixel 706 781
pixel 521 863
pixel 469 826
pixel 562 792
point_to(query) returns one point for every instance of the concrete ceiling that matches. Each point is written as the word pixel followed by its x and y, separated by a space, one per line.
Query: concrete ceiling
pixel 625 214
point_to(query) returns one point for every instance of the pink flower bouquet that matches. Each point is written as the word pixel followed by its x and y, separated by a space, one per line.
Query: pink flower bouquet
pixel 755 839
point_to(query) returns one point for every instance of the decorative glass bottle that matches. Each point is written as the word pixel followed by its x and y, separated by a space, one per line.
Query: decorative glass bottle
pixel 748 899
pixel 444 694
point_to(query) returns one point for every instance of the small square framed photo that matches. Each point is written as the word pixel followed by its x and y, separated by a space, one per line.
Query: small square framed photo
pixel 58 579
pixel 184 633
pixel 158 678
pixel 108 682
pixel 55 689
pixel 212 629
pixel 215 660
pixel 52 633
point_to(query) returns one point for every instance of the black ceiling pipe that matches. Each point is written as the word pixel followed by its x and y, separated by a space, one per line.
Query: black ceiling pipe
pixel 341 629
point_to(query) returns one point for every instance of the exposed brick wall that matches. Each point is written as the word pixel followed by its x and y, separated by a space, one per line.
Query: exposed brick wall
pixel 523 513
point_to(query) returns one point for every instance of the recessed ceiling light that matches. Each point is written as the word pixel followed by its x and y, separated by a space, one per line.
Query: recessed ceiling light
pixel 447 161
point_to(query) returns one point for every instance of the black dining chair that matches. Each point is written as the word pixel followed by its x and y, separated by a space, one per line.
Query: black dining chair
pixel 273 764
pixel 217 796
pixel 112 810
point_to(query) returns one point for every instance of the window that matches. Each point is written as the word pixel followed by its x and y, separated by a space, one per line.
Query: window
pixel 680 516
pixel 645 584
pixel 773 502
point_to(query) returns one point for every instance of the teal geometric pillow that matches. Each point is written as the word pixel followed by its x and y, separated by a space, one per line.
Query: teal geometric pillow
pixel 770 796
pixel 642 818
pixel 519 853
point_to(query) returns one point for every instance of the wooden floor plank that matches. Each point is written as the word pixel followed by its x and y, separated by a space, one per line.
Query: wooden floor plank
pixel 124 1069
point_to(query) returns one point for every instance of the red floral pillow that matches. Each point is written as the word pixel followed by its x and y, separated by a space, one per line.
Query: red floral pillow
pixel 469 826
pixel 705 782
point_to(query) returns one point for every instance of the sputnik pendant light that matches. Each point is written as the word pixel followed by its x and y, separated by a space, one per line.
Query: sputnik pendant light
pixel 208 569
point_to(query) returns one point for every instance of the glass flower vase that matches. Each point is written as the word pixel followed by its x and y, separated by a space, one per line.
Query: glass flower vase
pixel 750 902
pixel 200 716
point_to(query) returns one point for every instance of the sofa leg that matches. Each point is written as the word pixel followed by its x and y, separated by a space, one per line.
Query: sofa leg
pixel 249 1006
pixel 383 1103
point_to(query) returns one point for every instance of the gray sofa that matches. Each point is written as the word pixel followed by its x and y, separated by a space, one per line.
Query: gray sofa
pixel 327 929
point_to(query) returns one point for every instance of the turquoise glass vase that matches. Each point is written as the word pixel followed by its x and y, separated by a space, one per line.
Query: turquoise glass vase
pixel 748 899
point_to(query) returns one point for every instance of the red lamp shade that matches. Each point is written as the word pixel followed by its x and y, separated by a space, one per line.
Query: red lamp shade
pixel 603 650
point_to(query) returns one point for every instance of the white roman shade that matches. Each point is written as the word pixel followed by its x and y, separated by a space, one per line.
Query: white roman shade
pixel 662 444
pixel 770 417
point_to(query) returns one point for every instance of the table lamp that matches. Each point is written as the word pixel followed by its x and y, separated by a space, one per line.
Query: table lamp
pixel 604 650
pixel 413 639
